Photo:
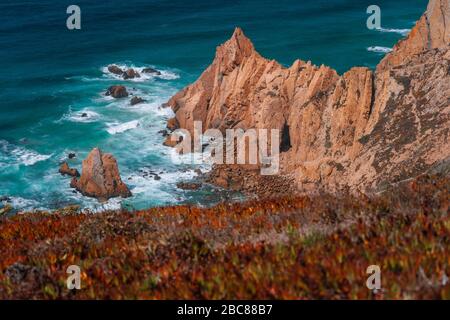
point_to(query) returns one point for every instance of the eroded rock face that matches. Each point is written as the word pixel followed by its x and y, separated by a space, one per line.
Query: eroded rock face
pixel 172 124
pixel 358 129
pixel 100 177
pixel 172 140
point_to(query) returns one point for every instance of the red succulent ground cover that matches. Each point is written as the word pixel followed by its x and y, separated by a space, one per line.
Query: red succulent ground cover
pixel 303 247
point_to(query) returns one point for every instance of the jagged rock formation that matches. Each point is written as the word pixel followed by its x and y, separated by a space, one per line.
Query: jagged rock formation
pixel 64 169
pixel 359 129
pixel 100 177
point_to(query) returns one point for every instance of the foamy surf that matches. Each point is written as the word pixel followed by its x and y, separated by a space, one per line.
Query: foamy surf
pixel 83 116
pixel 378 49
pixel 114 128
pixel 19 203
pixel 15 155
pixel 164 74
pixel 403 32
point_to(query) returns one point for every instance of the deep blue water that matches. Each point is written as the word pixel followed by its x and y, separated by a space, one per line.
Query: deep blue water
pixel 50 75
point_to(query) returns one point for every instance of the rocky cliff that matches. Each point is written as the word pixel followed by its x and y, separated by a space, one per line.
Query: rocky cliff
pixel 360 129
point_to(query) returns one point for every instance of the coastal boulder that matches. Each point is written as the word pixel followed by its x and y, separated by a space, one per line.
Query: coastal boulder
pixel 131 74
pixel 151 71
pixel 100 177
pixel 117 92
pixel 136 100
pixel 64 169
pixel 115 70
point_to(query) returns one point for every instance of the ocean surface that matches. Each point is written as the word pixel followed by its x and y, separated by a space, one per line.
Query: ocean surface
pixel 50 76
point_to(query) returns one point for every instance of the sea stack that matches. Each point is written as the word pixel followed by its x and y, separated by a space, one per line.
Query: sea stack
pixel 100 177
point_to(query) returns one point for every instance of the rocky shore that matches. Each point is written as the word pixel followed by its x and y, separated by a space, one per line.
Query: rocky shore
pixel 360 130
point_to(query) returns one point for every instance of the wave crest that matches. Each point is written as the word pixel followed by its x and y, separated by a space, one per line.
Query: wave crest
pixel 403 32
pixel 14 155
pixel 122 127
pixel 379 49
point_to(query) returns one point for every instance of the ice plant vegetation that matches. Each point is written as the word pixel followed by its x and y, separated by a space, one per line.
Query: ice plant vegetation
pixel 302 247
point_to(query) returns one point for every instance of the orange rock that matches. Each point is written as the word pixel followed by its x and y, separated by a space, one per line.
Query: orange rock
pixel 100 177
pixel 172 141
pixel 172 124
pixel 117 92
pixel 131 74
pixel 64 169
pixel 358 129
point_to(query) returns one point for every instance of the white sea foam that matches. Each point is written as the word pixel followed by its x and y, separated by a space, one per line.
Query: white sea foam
pixel 379 49
pixel 83 116
pixel 16 155
pixel 165 74
pixel 403 32
pixel 114 128
pixel 147 186
pixel 29 158
pixel 19 203
pixel 111 204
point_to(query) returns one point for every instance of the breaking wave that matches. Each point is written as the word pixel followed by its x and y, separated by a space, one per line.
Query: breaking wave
pixel 15 155
pixel 379 49
pixel 164 74
pixel 403 32
pixel 115 128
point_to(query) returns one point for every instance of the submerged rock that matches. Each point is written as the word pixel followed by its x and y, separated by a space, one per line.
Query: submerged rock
pixel 188 185
pixel 64 169
pixel 117 92
pixel 100 177
pixel 151 71
pixel 136 100
pixel 5 199
pixel 164 133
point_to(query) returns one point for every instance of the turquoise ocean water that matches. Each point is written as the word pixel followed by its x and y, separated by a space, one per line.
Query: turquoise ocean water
pixel 49 76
